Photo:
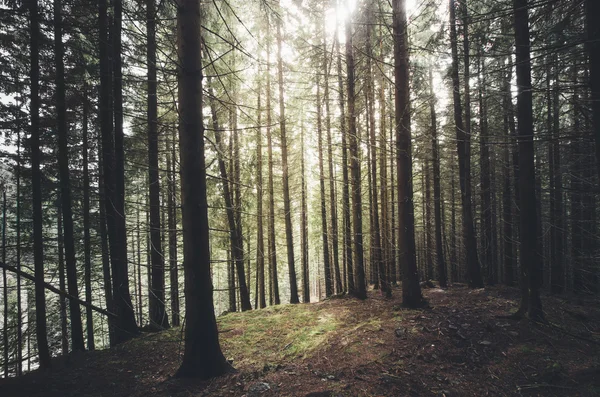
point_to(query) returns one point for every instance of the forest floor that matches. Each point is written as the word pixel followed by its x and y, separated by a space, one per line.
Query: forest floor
pixel 461 345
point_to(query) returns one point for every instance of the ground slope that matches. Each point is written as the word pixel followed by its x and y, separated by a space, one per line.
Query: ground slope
pixel 460 346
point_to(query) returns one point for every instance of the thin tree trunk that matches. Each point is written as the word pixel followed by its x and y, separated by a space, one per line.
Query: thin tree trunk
pixel 272 251
pixel 36 187
pixel 332 195
pixel 359 271
pixel 19 369
pixel 349 264
pixel 304 226
pixel 507 198
pixel 260 239
pixel 87 249
pixel 463 132
pixel 437 191
pixel 5 347
pixel 411 290
pixel 172 224
pixel 324 230
pixel 158 314
pixel 64 334
pixel 285 173
pixel 65 183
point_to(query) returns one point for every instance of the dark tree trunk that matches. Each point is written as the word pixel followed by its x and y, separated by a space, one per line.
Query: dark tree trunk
pixel 324 230
pixel 510 253
pixel 359 270
pixel 304 226
pixel 260 239
pixel 125 326
pixel 19 366
pixel 411 290
pixel 202 356
pixel 158 314
pixel 64 333
pixel 437 191
pixel 172 224
pixel 349 265
pixel 530 257
pixel 65 183
pixel 36 187
pixel 285 173
pixel 463 141
pixel 87 248
pixel 5 347
pixel 487 210
pixel 272 251
pixel 332 195
pixel 386 257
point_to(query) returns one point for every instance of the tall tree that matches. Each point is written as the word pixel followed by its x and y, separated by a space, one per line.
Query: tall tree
pixel 158 315
pixel 87 249
pixel 463 142
pixel 360 290
pixel 36 188
pixel 65 183
pixel 411 290
pixel 530 257
pixel 304 225
pixel 437 191
pixel 260 240
pixel 202 357
pixel 285 170
pixel 272 250
pixel 324 230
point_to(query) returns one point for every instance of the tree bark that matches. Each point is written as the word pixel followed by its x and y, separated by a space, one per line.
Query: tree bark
pixel 530 257
pixel 437 191
pixel 463 132
pixel 158 314
pixel 411 290
pixel 36 187
pixel 202 357
pixel 285 173
pixel 359 268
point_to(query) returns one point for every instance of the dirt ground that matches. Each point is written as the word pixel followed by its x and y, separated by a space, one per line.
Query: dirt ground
pixel 463 344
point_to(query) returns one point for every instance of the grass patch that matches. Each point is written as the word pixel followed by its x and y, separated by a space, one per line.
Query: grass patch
pixel 272 335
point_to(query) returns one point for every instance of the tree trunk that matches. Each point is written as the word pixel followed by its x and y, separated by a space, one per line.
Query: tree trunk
pixel 349 265
pixel 5 347
pixel 487 210
pixel 87 249
pixel 411 290
pixel 64 333
pixel 324 230
pixel 332 195
pixel 19 366
pixel 437 191
pixel 158 315
pixel 202 357
pixel 285 173
pixel 530 257
pixel 272 251
pixel 65 183
pixel 172 224
pixel 36 187
pixel 304 225
pixel 260 239
pixel 359 270
pixel 464 150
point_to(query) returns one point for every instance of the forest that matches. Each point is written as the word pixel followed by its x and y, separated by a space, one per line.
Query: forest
pixel 300 197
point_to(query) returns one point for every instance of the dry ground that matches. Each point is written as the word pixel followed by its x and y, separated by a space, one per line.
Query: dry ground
pixel 461 345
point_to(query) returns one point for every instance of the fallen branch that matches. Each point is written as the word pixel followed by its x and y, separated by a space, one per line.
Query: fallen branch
pixel 50 287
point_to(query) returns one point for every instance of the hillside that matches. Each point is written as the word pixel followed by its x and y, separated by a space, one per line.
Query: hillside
pixel 459 346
